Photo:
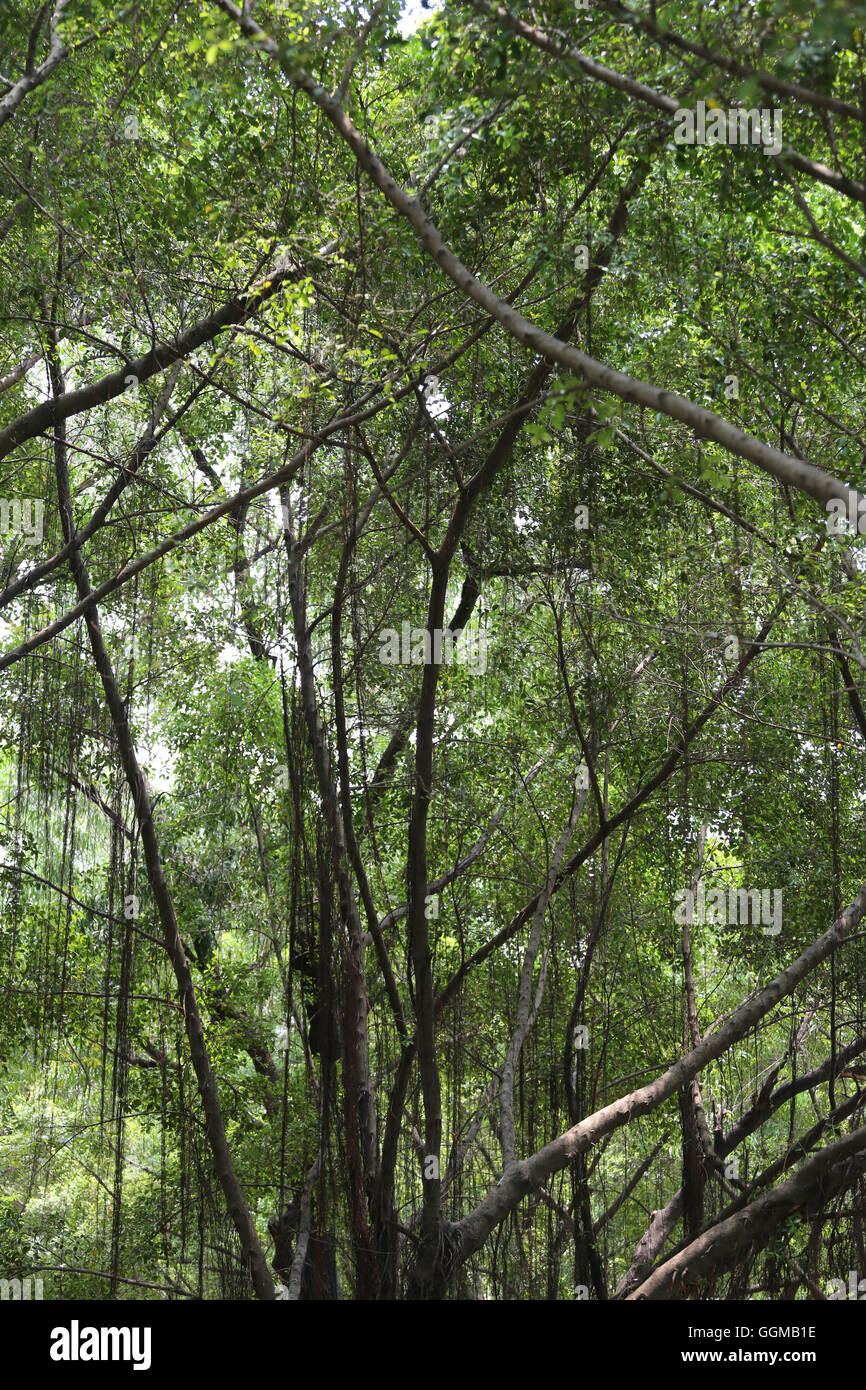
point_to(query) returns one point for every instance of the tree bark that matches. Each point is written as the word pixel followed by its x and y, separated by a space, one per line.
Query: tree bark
pixel 253 1254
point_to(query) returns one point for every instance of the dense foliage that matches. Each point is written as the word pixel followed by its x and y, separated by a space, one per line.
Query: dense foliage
pixel 326 966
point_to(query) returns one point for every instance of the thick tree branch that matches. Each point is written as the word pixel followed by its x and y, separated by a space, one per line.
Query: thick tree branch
pixel 35 76
pixel 474 1228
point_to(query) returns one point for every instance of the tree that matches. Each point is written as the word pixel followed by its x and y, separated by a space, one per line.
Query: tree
pixel 432 471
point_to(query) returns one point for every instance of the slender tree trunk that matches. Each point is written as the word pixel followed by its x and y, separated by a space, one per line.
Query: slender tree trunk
pixel 254 1256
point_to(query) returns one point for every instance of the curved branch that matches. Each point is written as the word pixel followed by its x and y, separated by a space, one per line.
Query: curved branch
pixel 525 1177
pixel 832 1170
pixel 796 472
pixel 33 79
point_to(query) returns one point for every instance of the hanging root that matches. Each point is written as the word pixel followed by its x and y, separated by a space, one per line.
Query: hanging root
pixel 430 1268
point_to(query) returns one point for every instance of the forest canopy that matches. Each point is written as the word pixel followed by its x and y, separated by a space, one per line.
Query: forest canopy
pixel 432 728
